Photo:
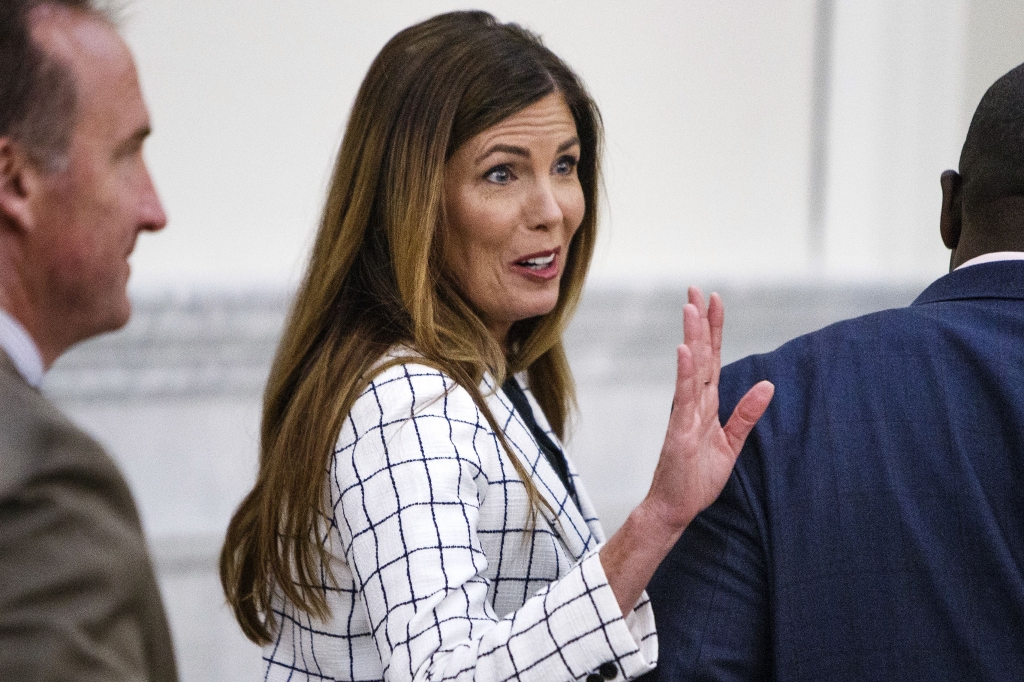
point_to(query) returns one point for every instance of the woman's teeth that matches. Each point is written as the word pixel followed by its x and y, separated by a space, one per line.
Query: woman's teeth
pixel 538 263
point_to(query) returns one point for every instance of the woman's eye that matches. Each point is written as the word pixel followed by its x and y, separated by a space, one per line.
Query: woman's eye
pixel 501 175
pixel 566 165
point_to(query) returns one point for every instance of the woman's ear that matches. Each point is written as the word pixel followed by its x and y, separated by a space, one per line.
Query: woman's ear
pixel 951 215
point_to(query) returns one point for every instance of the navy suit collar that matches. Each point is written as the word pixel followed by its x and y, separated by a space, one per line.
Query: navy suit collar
pixel 1001 279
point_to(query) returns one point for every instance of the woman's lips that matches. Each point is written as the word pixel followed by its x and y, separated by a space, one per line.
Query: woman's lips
pixel 542 265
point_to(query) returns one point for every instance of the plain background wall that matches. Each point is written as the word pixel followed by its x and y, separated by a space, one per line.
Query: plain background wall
pixel 706 108
pixel 710 114
pixel 896 121
pixel 995 44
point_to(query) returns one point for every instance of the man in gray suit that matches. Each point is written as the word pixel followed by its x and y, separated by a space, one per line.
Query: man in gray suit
pixel 78 598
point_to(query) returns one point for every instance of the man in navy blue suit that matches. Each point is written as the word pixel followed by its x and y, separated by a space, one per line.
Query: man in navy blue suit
pixel 874 526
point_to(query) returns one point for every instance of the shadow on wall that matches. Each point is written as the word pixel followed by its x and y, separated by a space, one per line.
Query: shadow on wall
pixel 175 397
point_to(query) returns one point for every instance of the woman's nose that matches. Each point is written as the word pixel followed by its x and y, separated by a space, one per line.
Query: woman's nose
pixel 546 210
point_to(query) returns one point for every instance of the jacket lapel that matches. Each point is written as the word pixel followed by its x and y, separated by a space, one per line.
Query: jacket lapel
pixel 7 367
pixel 563 516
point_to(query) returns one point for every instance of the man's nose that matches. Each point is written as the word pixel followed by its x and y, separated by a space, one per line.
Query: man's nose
pixel 152 216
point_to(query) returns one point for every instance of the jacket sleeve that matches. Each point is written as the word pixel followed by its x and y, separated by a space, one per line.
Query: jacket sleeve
pixel 711 593
pixel 77 596
pixel 710 599
pixel 407 488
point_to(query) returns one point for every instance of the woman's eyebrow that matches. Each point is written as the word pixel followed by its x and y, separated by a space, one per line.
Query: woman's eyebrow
pixel 568 144
pixel 507 148
pixel 523 151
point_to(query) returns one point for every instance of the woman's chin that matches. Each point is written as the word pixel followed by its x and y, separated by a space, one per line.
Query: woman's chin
pixel 540 309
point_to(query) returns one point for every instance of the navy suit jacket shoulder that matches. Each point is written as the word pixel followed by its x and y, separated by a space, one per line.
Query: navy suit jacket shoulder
pixel 874 526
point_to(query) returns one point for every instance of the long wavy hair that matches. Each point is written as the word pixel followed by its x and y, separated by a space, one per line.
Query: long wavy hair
pixel 376 279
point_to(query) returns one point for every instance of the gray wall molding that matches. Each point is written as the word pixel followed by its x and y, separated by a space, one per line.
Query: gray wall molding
pixel 222 344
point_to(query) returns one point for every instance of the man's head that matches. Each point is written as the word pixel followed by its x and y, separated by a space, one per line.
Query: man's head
pixel 74 189
pixel 983 204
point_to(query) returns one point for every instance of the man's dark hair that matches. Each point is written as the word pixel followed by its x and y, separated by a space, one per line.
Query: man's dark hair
pixel 992 160
pixel 37 90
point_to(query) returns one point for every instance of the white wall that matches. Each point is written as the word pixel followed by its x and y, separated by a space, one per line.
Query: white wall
pixel 995 44
pixel 706 106
pixel 896 122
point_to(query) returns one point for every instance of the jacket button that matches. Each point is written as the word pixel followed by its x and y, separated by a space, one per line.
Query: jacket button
pixel 608 670
pixel 594 677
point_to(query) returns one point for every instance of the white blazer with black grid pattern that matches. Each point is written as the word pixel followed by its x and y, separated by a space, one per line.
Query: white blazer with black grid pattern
pixel 438 577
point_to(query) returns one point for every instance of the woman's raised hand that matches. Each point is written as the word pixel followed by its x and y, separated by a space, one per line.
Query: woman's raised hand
pixel 696 459
pixel 699 453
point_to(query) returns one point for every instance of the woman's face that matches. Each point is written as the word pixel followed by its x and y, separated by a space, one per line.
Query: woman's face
pixel 512 204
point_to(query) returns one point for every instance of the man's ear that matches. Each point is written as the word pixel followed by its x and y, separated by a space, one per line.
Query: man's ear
pixel 17 180
pixel 951 215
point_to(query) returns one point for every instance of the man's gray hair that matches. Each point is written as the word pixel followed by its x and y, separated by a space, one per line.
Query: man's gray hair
pixel 37 91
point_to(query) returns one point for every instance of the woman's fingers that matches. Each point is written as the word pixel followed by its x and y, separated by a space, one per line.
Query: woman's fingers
pixel 746 414
pixel 696 297
pixel 703 334
pixel 716 320
pixel 695 328
pixel 699 452
pixel 686 390
pixel 716 316
pixel 691 324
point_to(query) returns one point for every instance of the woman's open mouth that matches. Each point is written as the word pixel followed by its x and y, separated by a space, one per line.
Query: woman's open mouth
pixel 543 265
pixel 538 263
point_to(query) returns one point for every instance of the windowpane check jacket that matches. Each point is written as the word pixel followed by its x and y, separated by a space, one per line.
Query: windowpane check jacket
pixel 438 574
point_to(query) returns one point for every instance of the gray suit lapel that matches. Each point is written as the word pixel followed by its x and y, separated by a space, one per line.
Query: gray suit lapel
pixel 8 368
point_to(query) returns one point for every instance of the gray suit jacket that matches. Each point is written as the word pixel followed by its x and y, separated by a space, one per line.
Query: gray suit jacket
pixel 78 598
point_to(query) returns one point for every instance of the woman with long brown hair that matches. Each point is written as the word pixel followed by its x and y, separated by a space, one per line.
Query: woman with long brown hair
pixel 414 516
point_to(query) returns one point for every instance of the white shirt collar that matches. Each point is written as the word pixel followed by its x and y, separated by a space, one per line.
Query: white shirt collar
pixel 21 349
pixel 992 258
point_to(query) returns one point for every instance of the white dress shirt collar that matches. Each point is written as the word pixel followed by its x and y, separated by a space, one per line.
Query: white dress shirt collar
pixel 992 258
pixel 21 349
